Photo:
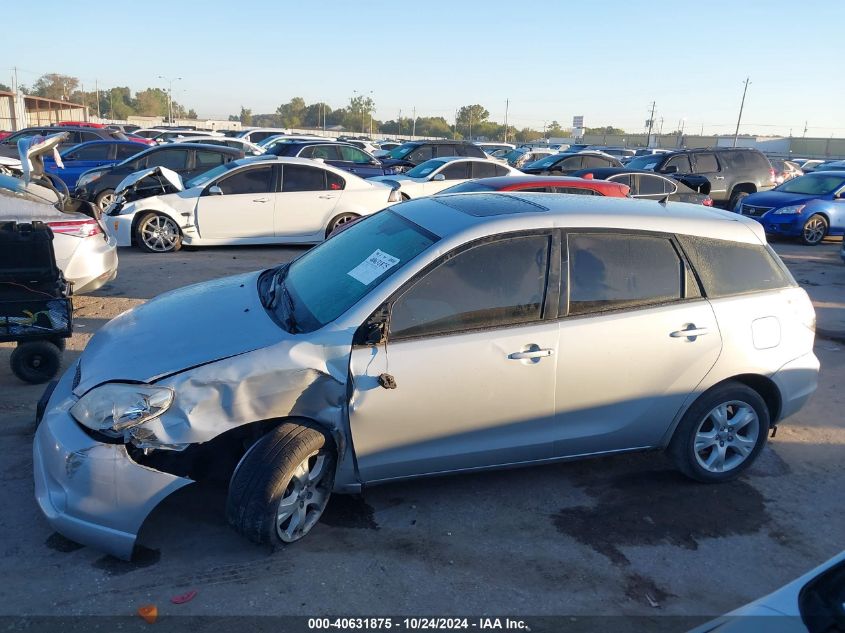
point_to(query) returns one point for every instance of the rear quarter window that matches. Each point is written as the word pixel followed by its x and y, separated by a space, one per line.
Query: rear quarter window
pixel 731 268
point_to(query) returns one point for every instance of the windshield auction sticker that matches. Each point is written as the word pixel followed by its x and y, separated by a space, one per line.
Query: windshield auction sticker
pixel 369 270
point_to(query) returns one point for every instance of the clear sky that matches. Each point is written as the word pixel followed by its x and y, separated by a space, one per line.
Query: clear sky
pixel 605 59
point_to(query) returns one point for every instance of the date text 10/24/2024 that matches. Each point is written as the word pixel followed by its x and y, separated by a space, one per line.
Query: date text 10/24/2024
pixel 418 623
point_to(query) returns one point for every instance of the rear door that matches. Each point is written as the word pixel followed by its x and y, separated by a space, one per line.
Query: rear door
pixel 205 159
pixel 245 209
pixel 306 203
pixel 707 164
pixel 626 364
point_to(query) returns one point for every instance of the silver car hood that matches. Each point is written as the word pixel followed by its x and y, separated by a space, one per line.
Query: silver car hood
pixel 178 330
pixel 168 174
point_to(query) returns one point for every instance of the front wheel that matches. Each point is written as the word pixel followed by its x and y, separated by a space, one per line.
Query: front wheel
pixel 736 199
pixel 721 434
pixel 282 484
pixel 104 199
pixel 340 221
pixel 814 230
pixel 157 233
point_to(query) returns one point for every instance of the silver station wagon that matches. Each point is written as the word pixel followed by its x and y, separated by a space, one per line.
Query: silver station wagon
pixel 441 335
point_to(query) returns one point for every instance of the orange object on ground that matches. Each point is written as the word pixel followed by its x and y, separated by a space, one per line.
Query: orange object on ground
pixel 149 612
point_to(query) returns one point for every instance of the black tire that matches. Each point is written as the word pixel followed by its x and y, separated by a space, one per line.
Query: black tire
pixel 36 362
pixel 814 230
pixel 61 343
pixel 102 197
pixel 265 476
pixel 169 244
pixel 736 197
pixel 405 196
pixel 682 448
pixel 340 220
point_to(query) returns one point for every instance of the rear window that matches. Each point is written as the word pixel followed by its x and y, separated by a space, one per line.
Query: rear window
pixel 732 268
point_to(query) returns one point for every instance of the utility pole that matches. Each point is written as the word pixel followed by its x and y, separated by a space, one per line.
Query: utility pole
pixel 399 121
pixel 170 95
pixel 805 130
pixel 470 123
pixel 660 132
pixel 97 94
pixel 741 106
pixel 507 103
pixel 414 129
pixel 650 124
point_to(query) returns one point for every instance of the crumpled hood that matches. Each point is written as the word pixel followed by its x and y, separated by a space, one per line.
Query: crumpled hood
pixel 178 330
pixel 777 199
pixel 168 174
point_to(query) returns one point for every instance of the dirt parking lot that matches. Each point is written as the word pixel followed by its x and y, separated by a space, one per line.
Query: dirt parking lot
pixel 622 535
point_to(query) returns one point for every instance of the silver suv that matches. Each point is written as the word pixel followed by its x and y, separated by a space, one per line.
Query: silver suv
pixel 441 335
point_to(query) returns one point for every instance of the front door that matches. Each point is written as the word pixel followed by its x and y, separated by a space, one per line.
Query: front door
pixel 473 362
pixel 636 341
pixel 244 209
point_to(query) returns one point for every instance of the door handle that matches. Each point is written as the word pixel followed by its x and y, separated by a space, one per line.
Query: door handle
pixel 534 353
pixel 326 197
pixel 719 177
pixel 261 199
pixel 690 332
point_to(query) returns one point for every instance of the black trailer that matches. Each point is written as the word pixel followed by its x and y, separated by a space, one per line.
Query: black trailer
pixel 36 311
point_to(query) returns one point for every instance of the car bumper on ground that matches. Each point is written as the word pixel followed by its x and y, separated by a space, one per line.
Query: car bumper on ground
pixel 796 381
pixel 92 492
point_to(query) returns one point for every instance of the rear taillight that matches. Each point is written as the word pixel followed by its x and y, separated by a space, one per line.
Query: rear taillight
pixel 76 228
pixel 707 202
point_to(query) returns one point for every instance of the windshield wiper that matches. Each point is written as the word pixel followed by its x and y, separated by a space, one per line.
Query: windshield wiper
pixel 276 289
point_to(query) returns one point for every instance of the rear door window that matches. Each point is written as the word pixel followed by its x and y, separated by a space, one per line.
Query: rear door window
pixel 91 152
pixel 651 185
pixel 706 163
pixel 493 284
pixel 448 150
pixel 613 271
pixel 572 163
pixel 125 151
pixel 170 158
pixel 324 152
pixel 483 170
pixel 421 154
pixel 300 178
pixel 730 268
pixel 208 159
pixel 458 170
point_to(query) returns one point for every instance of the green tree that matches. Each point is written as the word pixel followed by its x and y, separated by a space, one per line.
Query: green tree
pixel 117 102
pixel 469 116
pixel 55 86
pixel 5 88
pixel 291 113
pixel 152 102
pixel 245 117
pixel 609 130
pixel 192 114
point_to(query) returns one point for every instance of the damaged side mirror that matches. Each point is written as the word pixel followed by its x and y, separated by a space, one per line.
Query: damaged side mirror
pixel 374 330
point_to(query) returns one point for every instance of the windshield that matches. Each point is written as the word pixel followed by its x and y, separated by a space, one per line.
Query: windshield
pixel 403 150
pixel 326 281
pixel 424 169
pixel 812 184
pixel 467 187
pixel 513 155
pixel 548 161
pixel 645 162
pixel 836 165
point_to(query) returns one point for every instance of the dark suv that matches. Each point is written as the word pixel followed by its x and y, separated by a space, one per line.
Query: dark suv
pixel 413 153
pixel 733 173
pixel 75 136
pixel 341 155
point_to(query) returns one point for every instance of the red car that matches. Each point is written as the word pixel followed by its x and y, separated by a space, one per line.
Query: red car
pixel 543 184
pixel 4 134
pixel 80 124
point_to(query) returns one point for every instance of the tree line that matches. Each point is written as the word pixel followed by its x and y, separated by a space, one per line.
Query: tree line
pixel 114 103
pixel 471 121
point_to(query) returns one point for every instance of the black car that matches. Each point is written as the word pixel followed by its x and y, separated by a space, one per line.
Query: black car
pixel 650 186
pixel 413 153
pixel 341 155
pixel 733 172
pixel 186 159
pixel 566 163
pixel 75 136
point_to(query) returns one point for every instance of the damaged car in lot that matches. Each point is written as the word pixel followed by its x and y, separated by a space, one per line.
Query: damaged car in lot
pixel 441 335
pixel 256 200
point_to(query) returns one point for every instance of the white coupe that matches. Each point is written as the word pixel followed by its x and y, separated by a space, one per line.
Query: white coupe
pixel 255 200
pixel 437 174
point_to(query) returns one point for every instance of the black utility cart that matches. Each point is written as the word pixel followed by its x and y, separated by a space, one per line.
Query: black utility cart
pixel 35 303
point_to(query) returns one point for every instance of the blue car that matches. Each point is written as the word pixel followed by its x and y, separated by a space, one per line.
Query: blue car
pixel 80 158
pixel 807 207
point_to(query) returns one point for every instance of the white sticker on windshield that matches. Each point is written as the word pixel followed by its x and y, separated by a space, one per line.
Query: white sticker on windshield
pixel 368 270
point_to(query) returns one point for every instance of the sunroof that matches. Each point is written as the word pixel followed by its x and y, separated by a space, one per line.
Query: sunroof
pixel 482 205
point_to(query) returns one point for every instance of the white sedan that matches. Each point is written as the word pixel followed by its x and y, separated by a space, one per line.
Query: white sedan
pixel 225 141
pixel 256 200
pixel 437 174
pixel 86 256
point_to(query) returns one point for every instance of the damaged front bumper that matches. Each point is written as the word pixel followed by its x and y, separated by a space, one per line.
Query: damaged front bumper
pixel 89 491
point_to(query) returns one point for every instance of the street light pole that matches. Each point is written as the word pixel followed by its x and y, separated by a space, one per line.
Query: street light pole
pixel 170 94
pixel 741 106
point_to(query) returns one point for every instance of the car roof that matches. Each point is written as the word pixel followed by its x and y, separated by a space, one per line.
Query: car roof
pixel 477 215
pixel 437 143
pixel 451 159
pixel 506 182
pixel 203 146
pixel 108 141
pixel 601 172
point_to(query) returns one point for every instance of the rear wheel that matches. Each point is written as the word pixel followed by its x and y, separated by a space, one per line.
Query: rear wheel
pixel 721 434
pixel 736 198
pixel 282 484
pixel 814 230
pixel 337 222
pixel 36 362
pixel 157 233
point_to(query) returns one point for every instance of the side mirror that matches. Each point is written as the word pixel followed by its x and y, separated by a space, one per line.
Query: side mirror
pixel 671 169
pixel 439 178
pixel 214 190
pixel 840 195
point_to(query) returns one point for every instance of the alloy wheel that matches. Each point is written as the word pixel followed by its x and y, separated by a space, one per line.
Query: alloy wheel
pixel 105 200
pixel 726 436
pixel 159 233
pixel 305 497
pixel 814 230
